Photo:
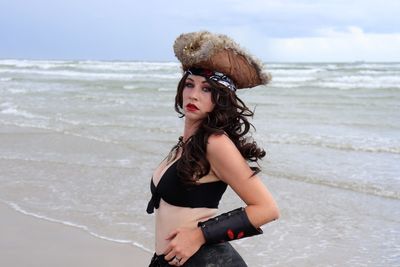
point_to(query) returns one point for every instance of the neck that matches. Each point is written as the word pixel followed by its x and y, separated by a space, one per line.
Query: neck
pixel 190 128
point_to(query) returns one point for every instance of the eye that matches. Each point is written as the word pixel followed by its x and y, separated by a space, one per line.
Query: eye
pixel 189 84
pixel 207 89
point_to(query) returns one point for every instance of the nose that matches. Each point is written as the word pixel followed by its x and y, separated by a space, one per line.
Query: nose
pixel 194 93
pixel 192 97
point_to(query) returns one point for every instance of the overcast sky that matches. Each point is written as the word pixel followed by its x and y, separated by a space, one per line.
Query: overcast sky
pixel 288 30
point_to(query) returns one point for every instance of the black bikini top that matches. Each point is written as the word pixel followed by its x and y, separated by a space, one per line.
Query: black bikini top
pixel 173 191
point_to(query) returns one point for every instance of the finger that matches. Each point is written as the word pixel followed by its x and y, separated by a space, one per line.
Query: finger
pixel 168 257
pixel 172 235
pixel 182 262
pixel 169 248
pixel 175 261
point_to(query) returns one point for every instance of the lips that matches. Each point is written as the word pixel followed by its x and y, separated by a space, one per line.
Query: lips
pixel 191 107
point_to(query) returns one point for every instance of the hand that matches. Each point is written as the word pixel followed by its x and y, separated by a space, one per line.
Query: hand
pixel 183 243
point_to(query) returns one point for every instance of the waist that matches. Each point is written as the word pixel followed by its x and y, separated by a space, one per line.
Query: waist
pixel 169 217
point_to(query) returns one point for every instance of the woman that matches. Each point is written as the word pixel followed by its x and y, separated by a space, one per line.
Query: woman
pixel 212 154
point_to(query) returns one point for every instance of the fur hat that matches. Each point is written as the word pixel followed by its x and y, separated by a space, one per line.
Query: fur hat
pixel 218 52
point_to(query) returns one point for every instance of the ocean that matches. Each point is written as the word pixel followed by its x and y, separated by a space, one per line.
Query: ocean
pixel 79 141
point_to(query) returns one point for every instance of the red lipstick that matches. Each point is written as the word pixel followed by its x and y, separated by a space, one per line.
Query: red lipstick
pixel 191 107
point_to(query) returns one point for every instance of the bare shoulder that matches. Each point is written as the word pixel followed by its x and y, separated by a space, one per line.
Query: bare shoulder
pixel 218 144
pixel 225 159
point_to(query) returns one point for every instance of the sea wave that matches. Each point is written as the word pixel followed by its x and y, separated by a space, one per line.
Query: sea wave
pixel 19 209
pixel 109 66
pixel 292 79
pixel 287 85
pixel 17 90
pixel 41 64
pixel 382 79
pixel 378 72
pixel 128 66
pixel 355 85
pixel 352 185
pixel 11 109
pixel 294 72
pixel 92 75
pixel 363 66
pixel 373 145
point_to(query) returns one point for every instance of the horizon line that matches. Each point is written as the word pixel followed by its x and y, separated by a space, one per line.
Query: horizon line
pixel 176 61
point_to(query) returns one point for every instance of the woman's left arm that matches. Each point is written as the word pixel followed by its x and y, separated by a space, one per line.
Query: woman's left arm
pixel 229 166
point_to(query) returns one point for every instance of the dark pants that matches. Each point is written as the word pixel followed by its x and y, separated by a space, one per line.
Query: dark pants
pixel 218 255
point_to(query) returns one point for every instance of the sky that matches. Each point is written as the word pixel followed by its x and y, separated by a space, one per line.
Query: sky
pixel 274 31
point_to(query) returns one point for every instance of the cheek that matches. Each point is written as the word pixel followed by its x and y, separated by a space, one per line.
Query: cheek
pixel 212 107
pixel 210 104
pixel 184 94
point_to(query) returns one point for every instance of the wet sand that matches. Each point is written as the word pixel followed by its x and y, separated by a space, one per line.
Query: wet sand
pixel 29 241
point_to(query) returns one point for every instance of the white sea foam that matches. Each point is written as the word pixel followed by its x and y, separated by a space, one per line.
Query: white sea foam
pixel 294 72
pixel 355 143
pixel 91 66
pixel 383 66
pixel 17 90
pixel 71 74
pixel 6 105
pixel 41 64
pixel 75 225
pixel 376 72
pixel 278 79
pixel 22 113
pixel 383 79
pixel 367 66
pixel 353 85
pixel 126 66
pixel 286 85
pixel 164 89
pixel 356 186
pixel 131 87
pixel 91 75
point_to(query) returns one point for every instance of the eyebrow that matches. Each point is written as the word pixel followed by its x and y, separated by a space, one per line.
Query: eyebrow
pixel 205 81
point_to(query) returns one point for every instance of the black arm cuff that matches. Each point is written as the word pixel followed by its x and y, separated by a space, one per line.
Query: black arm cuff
pixel 228 226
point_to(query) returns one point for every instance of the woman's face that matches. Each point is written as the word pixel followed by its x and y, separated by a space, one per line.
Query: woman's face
pixel 196 97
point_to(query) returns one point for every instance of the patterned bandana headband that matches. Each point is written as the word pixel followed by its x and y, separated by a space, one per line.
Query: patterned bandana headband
pixel 214 76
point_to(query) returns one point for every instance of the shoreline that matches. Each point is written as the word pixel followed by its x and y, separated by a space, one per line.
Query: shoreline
pixel 30 241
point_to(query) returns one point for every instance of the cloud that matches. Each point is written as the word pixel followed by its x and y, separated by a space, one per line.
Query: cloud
pixel 350 44
pixel 274 30
pixel 288 18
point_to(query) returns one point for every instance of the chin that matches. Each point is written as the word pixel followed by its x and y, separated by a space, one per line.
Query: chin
pixel 192 116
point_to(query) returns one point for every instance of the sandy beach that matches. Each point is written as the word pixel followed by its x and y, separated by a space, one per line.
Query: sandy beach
pixel 28 241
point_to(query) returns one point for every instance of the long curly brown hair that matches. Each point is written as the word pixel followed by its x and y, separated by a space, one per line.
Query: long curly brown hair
pixel 229 117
